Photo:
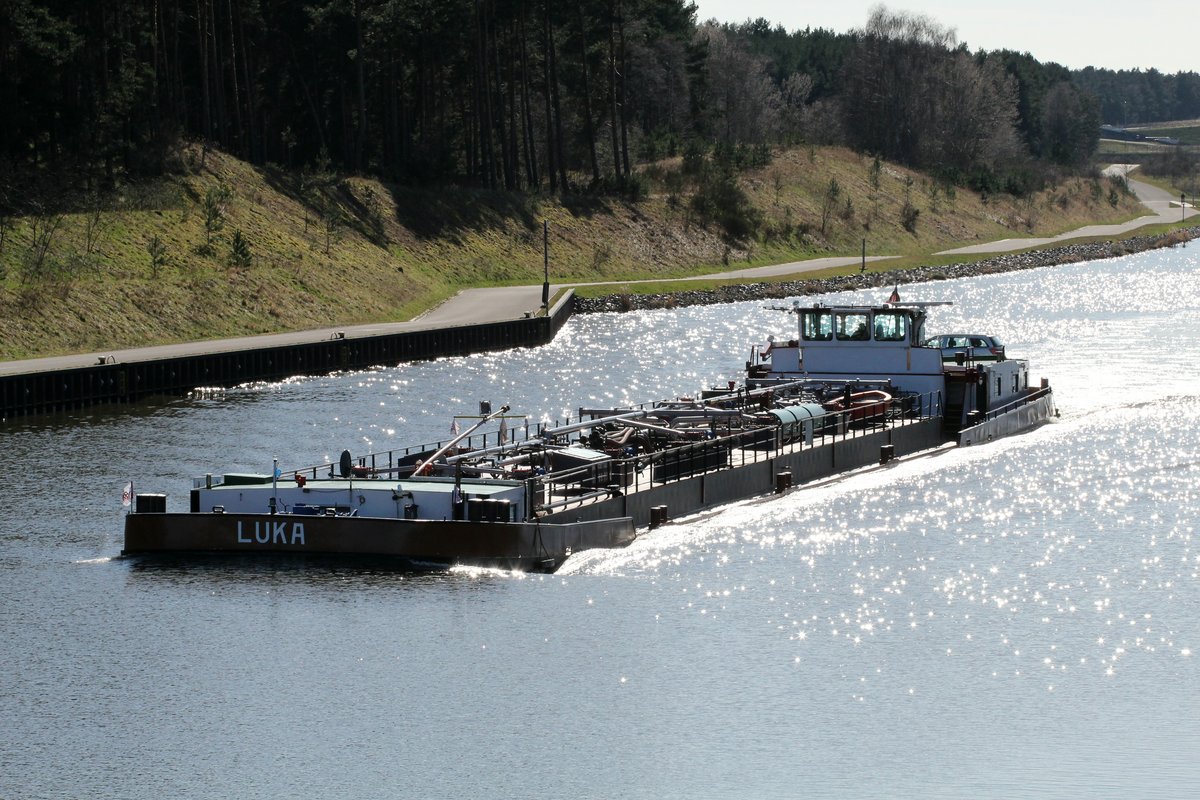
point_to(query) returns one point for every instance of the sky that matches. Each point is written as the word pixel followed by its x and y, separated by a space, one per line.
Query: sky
pixel 1075 33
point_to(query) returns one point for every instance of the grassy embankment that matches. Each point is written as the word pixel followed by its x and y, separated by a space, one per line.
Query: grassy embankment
pixel 134 269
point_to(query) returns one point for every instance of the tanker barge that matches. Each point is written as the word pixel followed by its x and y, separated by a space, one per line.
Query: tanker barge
pixel 857 386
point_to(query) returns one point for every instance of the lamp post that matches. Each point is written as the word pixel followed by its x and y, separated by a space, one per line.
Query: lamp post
pixel 546 264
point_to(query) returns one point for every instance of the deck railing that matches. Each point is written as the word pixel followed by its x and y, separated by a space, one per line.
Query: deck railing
pixel 635 473
pixel 725 449
pixel 1025 399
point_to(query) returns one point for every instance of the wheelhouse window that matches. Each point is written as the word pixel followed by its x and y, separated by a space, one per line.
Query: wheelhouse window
pixel 816 326
pixel 853 326
pixel 891 326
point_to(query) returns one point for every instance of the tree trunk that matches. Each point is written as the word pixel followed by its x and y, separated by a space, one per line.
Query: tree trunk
pixel 554 137
pixel 483 101
pixel 253 122
pixel 531 169
pixel 612 89
pixel 202 46
pixel 238 126
pixel 514 148
pixel 621 89
pixel 361 81
pixel 500 114
pixel 589 130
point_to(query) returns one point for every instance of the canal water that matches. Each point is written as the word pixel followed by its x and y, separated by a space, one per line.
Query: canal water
pixel 1019 619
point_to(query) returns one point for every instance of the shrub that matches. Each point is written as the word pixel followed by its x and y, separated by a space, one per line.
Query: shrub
pixel 847 212
pixel 239 250
pixel 633 187
pixel 933 192
pixel 721 200
pixel 693 157
pixel 212 205
pixel 157 251
pixel 829 202
pixel 908 216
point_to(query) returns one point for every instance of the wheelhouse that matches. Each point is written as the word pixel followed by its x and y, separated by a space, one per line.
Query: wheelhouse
pixel 857 343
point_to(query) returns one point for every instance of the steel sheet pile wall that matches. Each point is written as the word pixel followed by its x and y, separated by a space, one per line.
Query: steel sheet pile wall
pixel 128 382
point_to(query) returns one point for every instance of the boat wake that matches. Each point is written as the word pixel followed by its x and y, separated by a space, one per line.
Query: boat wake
pixel 469 571
pixel 717 534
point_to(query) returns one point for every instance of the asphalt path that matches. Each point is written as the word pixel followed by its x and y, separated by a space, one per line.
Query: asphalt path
pixel 496 304
pixel 1165 208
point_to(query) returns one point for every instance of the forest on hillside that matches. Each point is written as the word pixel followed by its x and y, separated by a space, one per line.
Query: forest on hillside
pixel 531 95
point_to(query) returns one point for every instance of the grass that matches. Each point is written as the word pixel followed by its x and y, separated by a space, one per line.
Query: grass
pixel 873 267
pixel 1123 146
pixel 1186 131
pixel 397 251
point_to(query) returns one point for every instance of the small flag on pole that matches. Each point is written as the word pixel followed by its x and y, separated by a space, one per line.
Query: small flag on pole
pixel 127 494
pixel 895 295
pixel 503 430
pixel 454 426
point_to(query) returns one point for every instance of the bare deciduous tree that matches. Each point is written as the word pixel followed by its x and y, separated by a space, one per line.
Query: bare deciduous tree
pixel 974 115
pixel 744 102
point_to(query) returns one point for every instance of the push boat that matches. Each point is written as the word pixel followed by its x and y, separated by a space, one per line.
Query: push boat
pixel 854 388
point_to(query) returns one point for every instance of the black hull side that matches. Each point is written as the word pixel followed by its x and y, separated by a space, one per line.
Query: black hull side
pixel 410 544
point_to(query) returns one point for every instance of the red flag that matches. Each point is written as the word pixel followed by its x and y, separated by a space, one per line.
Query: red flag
pixel 895 295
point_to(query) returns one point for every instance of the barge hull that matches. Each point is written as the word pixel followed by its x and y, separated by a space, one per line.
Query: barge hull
pixel 529 546
pixel 1021 418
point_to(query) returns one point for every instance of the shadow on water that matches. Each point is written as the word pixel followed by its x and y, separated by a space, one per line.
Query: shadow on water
pixel 168 406
pixel 153 407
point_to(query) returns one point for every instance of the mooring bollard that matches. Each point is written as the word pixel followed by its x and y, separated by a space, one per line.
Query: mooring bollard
pixel 886 453
pixel 783 481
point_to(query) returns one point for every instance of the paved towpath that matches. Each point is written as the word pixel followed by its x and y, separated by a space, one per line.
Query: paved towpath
pixel 511 302
pixel 185 349
pixel 473 306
